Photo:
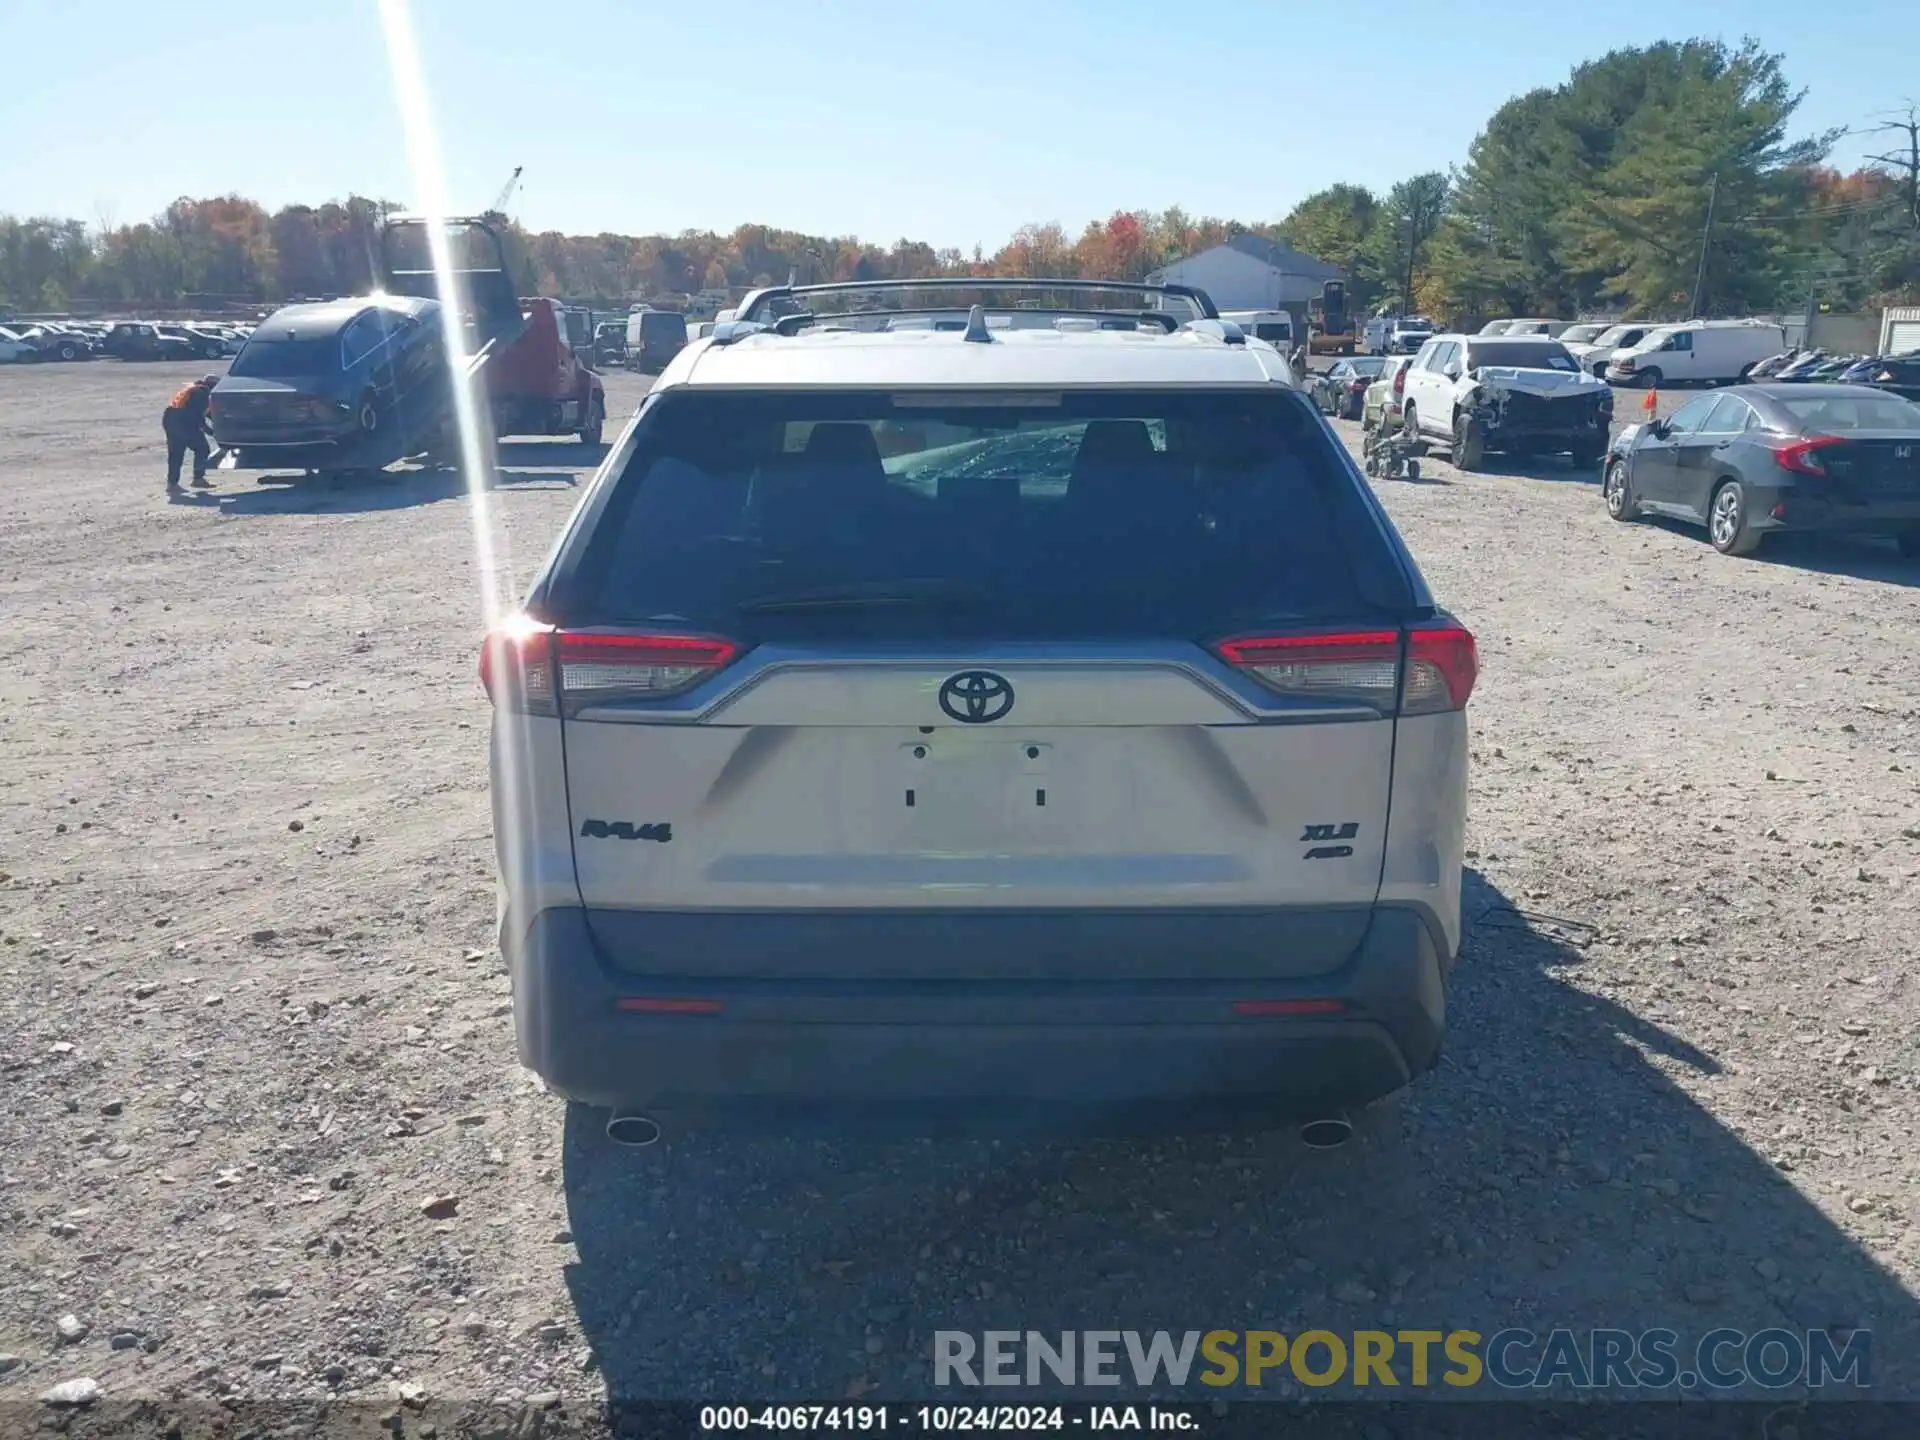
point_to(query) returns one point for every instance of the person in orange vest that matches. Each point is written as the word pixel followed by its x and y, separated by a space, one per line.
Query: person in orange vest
pixel 187 425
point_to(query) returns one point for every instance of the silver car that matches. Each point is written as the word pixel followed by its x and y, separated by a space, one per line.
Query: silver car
pixel 1025 717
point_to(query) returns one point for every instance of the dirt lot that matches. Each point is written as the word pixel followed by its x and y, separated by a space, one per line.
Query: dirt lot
pixel 253 1022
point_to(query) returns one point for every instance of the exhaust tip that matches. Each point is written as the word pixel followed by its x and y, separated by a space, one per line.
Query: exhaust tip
pixel 1328 1134
pixel 636 1132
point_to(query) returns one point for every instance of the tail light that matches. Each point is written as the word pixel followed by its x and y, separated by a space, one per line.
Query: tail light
pixel 1433 671
pixel 1803 456
pixel 1289 1007
pixel 1400 379
pixel 666 1005
pixel 533 668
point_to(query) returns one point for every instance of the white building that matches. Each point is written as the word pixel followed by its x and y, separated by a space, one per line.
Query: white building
pixel 1900 330
pixel 1249 273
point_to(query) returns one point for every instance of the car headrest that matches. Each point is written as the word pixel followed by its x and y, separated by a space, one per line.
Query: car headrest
pixel 1114 442
pixel 843 444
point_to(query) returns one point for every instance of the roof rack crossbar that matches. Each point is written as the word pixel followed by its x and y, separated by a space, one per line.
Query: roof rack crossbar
pixel 763 300
pixel 826 319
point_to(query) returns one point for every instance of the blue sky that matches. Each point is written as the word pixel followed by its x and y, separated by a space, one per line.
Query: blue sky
pixel 948 123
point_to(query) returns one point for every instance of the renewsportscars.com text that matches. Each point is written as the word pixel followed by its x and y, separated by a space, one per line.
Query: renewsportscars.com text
pixel 1511 1359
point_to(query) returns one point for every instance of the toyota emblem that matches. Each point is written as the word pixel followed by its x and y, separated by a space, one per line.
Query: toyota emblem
pixel 976 697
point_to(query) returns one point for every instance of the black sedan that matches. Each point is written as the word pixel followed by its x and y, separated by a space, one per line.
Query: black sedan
pixel 1753 459
pixel 1342 390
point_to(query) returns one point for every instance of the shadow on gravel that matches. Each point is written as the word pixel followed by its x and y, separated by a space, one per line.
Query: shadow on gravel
pixel 562 452
pixel 1550 1173
pixel 1863 557
pixel 1541 467
pixel 383 490
pixel 1427 476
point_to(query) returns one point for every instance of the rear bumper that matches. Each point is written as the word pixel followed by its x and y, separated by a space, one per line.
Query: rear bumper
pixel 1020 1056
pixel 308 434
pixel 1806 510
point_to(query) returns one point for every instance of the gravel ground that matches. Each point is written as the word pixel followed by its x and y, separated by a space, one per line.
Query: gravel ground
pixel 264 1135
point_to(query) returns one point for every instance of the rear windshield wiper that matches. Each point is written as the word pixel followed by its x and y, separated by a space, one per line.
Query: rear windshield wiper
pixel 936 594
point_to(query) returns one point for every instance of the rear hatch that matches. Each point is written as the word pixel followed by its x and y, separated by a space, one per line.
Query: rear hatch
pixel 885 652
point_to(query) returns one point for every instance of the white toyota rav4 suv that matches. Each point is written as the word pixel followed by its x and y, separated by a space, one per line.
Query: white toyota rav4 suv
pixel 1020 713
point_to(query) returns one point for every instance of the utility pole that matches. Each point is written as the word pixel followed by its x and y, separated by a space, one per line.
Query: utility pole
pixel 1413 231
pixel 1706 239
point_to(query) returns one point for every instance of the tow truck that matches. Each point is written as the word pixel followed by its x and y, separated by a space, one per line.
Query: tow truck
pixel 418 422
pixel 543 382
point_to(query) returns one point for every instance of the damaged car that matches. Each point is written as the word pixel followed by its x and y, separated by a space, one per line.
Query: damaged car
pixel 1522 395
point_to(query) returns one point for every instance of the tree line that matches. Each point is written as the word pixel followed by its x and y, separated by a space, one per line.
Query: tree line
pixel 1657 183
pixel 1590 196
pixel 231 248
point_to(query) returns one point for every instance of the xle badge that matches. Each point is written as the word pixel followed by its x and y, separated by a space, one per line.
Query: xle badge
pixel 1331 832
pixel 625 830
pixel 1345 830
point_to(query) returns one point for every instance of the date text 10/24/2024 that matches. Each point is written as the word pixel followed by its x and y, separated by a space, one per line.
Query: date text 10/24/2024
pixel 945 1418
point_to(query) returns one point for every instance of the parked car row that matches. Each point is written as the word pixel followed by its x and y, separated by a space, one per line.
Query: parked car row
pixel 1805 441
pixel 71 340
pixel 1705 352
pixel 1342 389
pixel 24 342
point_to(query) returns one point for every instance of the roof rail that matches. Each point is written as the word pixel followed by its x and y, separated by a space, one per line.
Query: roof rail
pixel 1224 330
pixel 775 301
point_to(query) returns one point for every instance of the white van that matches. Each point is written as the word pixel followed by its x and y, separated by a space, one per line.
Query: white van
pixel 1273 326
pixel 1700 352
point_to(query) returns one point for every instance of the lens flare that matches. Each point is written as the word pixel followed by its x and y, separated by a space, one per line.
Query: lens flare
pixel 470 413
pixel 512 741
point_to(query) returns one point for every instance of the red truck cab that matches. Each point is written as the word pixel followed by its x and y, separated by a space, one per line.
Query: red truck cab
pixel 543 383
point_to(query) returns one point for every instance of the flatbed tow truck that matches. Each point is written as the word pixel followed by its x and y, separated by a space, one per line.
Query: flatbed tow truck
pixel 420 425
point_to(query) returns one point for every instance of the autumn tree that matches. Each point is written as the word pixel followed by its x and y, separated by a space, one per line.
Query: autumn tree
pixel 1335 225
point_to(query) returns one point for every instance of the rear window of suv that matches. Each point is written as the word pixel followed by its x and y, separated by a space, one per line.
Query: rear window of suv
pixel 1182 514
